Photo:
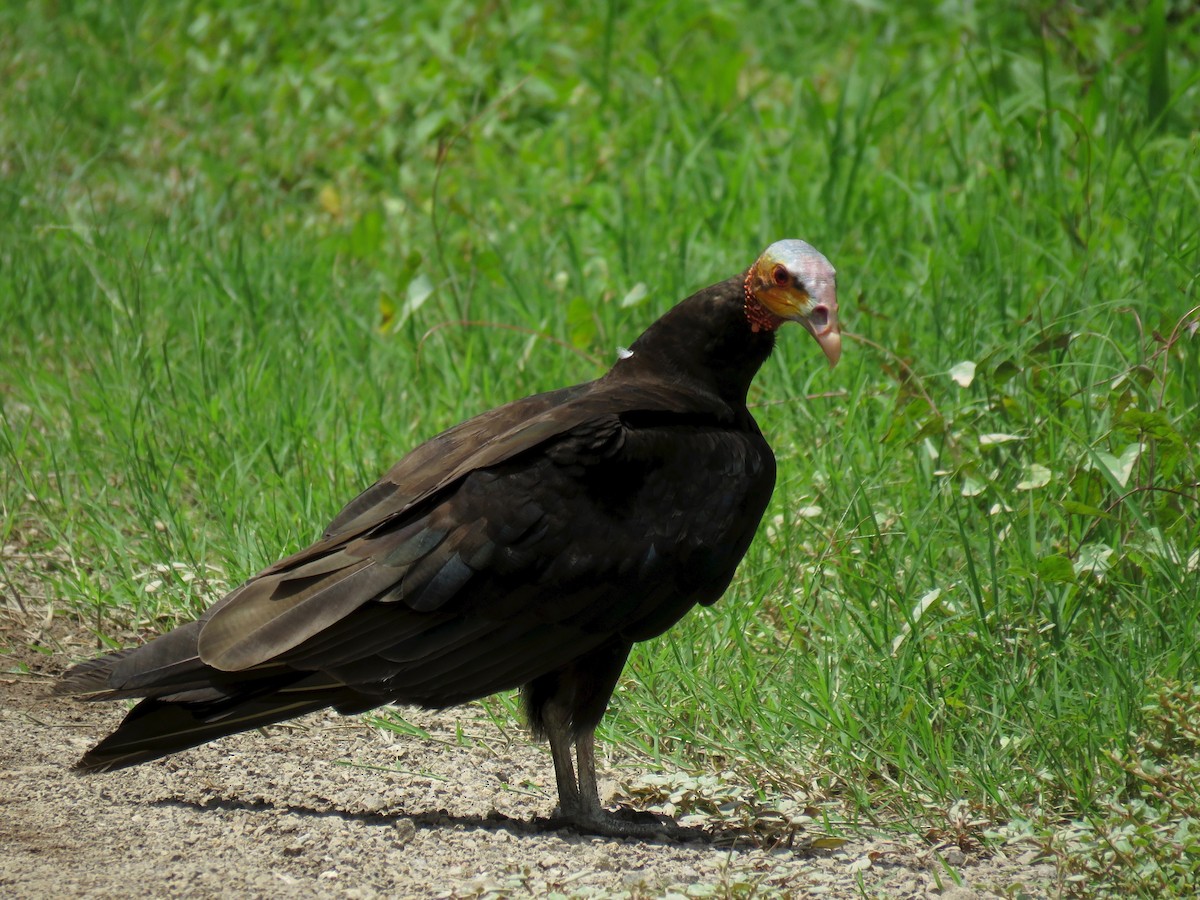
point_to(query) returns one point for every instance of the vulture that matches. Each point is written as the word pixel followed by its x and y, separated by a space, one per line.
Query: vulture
pixel 529 547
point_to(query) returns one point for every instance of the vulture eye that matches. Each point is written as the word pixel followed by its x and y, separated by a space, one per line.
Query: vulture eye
pixel 781 276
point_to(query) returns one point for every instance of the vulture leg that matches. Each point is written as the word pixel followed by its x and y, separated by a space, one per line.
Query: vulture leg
pixel 589 792
pixel 564 707
pixel 559 735
pixel 579 798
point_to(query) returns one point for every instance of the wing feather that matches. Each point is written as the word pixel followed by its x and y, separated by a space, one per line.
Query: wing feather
pixel 378 548
pixel 275 614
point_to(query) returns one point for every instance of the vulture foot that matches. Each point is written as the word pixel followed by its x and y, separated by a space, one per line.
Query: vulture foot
pixel 625 822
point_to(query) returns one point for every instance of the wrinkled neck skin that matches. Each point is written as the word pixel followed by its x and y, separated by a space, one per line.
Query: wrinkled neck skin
pixel 706 341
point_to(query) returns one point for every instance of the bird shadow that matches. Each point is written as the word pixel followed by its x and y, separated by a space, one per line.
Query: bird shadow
pixel 671 833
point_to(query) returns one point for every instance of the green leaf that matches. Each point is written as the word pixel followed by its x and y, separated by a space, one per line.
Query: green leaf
pixel 1049 343
pixel 1154 424
pixel 581 322
pixel 1088 488
pixel 1056 568
pixel 1170 446
pixel 1004 371
pixel 366 237
pixel 387 311
pixel 1075 508
pixel 395 722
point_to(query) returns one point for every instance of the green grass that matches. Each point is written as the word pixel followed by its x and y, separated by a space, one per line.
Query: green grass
pixel 251 254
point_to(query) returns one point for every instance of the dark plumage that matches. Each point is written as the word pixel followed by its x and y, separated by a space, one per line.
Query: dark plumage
pixel 530 547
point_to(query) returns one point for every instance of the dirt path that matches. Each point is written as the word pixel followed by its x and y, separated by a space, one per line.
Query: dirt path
pixel 328 807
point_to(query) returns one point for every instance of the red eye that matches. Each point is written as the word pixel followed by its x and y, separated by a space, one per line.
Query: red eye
pixel 781 276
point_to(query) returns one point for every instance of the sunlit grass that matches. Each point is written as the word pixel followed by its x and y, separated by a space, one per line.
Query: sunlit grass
pixel 246 263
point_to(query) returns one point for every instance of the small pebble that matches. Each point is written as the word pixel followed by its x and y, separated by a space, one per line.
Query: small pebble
pixel 954 857
pixel 405 830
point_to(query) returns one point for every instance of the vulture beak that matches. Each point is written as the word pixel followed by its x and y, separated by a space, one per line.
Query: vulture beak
pixel 822 323
pixel 794 282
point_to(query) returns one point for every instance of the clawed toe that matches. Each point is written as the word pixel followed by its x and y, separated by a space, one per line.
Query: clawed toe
pixel 625 822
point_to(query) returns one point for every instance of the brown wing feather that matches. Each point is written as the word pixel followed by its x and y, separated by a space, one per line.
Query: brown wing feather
pixel 365 556
pixel 551 586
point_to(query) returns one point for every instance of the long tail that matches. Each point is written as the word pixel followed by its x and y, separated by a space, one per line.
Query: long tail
pixel 156 727
pixel 188 703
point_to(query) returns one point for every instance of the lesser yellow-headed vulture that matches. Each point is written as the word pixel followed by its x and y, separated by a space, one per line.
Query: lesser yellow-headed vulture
pixel 529 547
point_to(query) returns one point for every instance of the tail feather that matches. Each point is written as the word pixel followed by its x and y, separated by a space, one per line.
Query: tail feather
pixel 157 727
pixel 167 664
pixel 91 677
pixel 188 703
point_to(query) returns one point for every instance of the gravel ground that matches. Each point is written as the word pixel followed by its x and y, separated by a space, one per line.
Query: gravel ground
pixel 329 807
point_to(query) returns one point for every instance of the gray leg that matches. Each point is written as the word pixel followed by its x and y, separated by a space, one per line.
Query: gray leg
pixel 579 798
pixel 592 818
pixel 559 736
pixel 589 793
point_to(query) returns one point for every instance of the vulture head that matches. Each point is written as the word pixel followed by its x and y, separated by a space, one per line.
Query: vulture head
pixel 793 282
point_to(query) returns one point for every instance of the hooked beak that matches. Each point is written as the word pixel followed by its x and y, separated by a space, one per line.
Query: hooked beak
pixel 822 324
